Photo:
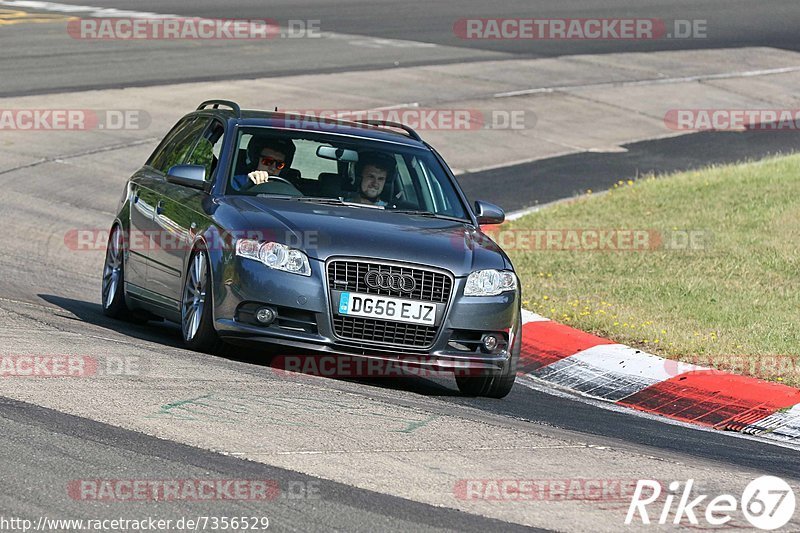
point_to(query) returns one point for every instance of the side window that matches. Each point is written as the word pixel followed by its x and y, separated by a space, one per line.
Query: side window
pixel 180 145
pixel 168 142
pixel 208 148
pixel 426 192
pixel 444 198
pixel 406 183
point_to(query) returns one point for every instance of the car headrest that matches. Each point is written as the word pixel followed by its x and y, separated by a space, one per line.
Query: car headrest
pixel 291 174
pixel 330 185
pixel 392 190
pixel 243 166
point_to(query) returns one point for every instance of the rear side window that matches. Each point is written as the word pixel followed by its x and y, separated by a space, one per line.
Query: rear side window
pixel 176 149
pixel 168 141
pixel 206 151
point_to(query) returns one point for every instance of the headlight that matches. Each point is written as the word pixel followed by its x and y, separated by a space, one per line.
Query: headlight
pixel 274 255
pixel 490 282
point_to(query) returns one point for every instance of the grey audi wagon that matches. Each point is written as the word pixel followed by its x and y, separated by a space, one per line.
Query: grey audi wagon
pixel 336 237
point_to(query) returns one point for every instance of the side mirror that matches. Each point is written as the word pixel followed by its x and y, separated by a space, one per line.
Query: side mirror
pixel 489 213
pixel 193 176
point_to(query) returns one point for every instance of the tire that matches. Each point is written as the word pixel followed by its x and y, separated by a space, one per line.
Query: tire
pixel 112 296
pixel 493 386
pixel 197 323
pixel 497 386
pixel 113 282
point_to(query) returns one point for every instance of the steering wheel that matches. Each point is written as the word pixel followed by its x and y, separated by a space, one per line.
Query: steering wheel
pixel 267 187
pixel 279 179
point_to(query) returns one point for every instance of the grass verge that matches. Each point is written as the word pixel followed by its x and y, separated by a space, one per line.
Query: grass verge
pixel 709 272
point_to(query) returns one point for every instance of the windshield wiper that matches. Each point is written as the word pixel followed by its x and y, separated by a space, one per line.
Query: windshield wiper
pixel 319 199
pixel 429 214
pixel 334 201
pixel 273 196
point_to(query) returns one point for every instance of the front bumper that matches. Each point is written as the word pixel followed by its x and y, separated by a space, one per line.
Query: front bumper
pixel 307 326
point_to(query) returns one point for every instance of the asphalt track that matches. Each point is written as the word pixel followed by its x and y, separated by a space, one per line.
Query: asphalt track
pixel 61 439
pixel 560 177
pixel 532 404
pixel 49 299
pixel 365 34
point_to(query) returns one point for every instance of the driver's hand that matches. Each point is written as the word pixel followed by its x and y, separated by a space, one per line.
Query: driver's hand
pixel 258 177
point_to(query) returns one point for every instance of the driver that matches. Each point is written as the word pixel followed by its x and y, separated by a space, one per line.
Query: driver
pixel 271 156
pixel 372 171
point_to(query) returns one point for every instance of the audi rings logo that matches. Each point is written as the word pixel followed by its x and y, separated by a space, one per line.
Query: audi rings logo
pixel 378 279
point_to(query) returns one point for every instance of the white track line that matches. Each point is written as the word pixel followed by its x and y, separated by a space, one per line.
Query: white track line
pixel 653 81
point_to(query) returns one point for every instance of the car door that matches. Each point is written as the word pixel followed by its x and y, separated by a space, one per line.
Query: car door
pixel 142 206
pixel 180 214
pixel 166 235
pixel 142 209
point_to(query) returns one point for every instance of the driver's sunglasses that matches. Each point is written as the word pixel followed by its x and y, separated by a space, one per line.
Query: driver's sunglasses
pixel 269 161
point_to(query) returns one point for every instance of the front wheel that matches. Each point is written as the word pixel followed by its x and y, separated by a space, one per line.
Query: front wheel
pixel 497 386
pixel 197 322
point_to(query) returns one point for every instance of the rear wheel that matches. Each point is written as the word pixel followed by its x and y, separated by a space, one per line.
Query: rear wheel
pixel 197 322
pixel 113 293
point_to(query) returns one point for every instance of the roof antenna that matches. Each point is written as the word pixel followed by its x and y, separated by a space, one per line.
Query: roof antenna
pixel 276 109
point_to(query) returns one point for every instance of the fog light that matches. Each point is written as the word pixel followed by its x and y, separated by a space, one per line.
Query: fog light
pixel 490 342
pixel 265 315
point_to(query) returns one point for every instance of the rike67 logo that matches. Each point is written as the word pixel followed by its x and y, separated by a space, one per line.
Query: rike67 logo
pixel 768 503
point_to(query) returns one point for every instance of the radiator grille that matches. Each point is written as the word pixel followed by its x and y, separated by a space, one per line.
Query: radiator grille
pixel 371 330
pixel 430 286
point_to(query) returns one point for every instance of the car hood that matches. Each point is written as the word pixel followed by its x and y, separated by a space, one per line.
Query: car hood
pixel 324 231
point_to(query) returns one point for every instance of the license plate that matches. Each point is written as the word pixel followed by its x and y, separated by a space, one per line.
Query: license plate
pixel 384 308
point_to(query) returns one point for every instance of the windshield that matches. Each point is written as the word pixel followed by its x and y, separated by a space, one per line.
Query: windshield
pixel 360 172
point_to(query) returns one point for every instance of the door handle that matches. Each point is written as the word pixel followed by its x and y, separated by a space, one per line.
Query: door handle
pixel 159 207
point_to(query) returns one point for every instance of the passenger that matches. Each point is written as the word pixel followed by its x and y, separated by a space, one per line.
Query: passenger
pixel 271 155
pixel 372 171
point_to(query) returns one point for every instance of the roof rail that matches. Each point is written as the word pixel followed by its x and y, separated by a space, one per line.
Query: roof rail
pixel 216 103
pixel 411 133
